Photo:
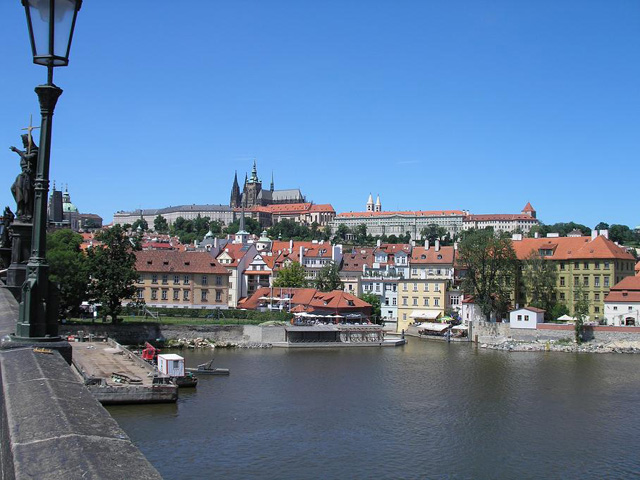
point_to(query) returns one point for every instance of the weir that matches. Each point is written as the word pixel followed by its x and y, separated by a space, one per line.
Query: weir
pixel 51 426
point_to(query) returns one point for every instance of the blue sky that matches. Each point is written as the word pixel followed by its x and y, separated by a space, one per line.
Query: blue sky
pixel 478 105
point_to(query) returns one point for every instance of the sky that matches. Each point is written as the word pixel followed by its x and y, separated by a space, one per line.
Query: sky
pixel 476 105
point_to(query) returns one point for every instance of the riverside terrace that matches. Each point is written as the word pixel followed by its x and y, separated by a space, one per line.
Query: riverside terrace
pixel 51 426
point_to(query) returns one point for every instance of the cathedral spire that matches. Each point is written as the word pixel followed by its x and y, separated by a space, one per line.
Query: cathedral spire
pixel 271 181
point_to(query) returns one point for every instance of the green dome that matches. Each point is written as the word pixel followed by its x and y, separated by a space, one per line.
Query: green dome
pixel 69 207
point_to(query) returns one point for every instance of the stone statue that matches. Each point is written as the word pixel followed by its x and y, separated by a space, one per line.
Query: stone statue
pixel 5 239
pixel 23 187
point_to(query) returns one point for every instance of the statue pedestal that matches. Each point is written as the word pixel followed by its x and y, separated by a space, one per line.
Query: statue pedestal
pixel 20 252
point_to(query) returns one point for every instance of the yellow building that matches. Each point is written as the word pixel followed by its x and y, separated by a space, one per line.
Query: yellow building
pixel 591 265
pixel 172 279
pixel 423 296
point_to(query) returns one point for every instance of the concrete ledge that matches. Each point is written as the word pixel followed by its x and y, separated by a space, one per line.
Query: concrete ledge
pixel 53 428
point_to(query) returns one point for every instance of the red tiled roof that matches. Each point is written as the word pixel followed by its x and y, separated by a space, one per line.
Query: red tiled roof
pixel 418 213
pixel 622 296
pixel 236 251
pixel 421 255
pixel 571 248
pixel 326 207
pixel 311 299
pixel 177 262
pixel 628 283
pixel 353 262
pixel 498 217
pixel 528 208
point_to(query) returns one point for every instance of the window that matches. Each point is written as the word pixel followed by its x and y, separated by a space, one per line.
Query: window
pixel 165 294
pixel 176 279
pixel 205 280
pixel 218 296
pixel 596 297
pixel 562 296
pixel 203 295
pixel 185 294
pixel 218 280
pixel 404 301
pixel 404 316
pixel 596 309
pixel 415 287
pixel 576 265
pixel 585 280
pixel 154 278
pixel 405 287
pixel 154 294
pixel 415 300
pixel 606 281
pixel 426 302
pixel 526 318
pixel 436 288
pixel 141 293
pixel 436 302
pixel 394 301
pixel 606 265
pixel 586 265
pixel 165 279
pixel 576 280
pixel 414 271
pixel 519 318
pixel 176 294
pixel 186 280
pixel 596 265
pixel 176 364
pixel 562 281
pixel 561 265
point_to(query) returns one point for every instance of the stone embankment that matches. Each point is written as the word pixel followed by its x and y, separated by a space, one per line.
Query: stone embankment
pixel 552 346
pixel 199 342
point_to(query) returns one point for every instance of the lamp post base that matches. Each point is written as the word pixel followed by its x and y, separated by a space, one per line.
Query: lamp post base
pixel 46 344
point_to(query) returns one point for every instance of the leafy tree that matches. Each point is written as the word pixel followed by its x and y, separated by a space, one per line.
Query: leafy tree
pixel 342 232
pixel 142 223
pixel 251 225
pixel 360 233
pixel 290 230
pixel 558 310
pixel 113 273
pixel 489 264
pixel 602 226
pixel 374 301
pixel 160 224
pixel 560 228
pixel 292 276
pixel 68 270
pixel 621 234
pixel 328 278
pixel 580 310
pixel 433 232
pixel 540 279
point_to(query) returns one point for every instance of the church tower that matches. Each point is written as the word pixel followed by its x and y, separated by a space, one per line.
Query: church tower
pixel 252 188
pixel 378 207
pixel 235 193
pixel 370 204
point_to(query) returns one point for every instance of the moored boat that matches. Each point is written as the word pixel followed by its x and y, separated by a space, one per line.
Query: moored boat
pixel 208 369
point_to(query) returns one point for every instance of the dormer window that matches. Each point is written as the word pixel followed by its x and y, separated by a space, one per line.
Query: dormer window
pixel 187 263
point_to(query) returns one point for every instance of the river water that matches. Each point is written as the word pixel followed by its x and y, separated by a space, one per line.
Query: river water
pixel 425 410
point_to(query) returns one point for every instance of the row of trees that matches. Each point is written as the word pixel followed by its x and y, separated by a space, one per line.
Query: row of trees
pixel 103 275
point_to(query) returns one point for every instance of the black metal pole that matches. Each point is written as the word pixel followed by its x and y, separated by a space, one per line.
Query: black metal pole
pixel 38 313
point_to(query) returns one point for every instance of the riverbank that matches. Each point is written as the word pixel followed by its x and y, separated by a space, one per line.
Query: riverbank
pixel 566 347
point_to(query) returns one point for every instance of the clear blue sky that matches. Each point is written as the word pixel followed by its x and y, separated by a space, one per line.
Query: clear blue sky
pixel 478 105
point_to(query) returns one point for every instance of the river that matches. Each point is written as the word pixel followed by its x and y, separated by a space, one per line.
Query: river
pixel 425 410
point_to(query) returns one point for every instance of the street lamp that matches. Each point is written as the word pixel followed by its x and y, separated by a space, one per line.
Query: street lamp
pixel 51 24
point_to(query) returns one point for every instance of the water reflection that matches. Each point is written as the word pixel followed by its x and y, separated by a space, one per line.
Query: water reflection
pixel 425 410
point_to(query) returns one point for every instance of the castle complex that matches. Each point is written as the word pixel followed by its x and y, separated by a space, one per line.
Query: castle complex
pixel 253 195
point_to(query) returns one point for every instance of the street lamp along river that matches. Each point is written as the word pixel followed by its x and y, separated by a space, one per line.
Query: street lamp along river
pixel 51 24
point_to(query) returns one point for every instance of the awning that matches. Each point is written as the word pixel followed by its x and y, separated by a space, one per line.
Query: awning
pixel 434 327
pixel 425 314
pixel 460 328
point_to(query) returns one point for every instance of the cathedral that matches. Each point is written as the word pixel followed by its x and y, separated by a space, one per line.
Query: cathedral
pixel 253 194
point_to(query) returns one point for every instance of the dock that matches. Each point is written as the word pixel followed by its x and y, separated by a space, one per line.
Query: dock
pixel 115 375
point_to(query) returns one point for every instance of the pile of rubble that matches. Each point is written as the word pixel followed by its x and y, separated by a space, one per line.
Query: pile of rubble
pixel 206 343
pixel 564 346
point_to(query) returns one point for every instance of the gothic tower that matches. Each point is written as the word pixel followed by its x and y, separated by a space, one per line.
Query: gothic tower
pixel 235 193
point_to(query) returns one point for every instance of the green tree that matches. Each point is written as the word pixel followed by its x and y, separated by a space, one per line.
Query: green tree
pixel 360 234
pixel 540 279
pixel 558 310
pixel 68 270
pixel 251 225
pixel 113 274
pixel 160 224
pixel 489 265
pixel 328 278
pixel 621 234
pixel 602 226
pixel 433 232
pixel 342 232
pixel 291 276
pixel 580 310
pixel 374 301
pixel 142 223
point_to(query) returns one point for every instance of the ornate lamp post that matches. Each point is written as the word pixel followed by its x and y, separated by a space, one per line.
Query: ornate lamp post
pixel 51 24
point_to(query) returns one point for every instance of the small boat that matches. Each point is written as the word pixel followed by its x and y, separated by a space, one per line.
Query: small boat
pixel 208 369
pixel 186 381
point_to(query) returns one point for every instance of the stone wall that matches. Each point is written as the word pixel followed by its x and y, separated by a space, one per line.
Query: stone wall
pixel 51 426
pixel 135 334
pixel 499 332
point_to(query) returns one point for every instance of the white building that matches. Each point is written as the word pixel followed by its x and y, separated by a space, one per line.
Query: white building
pixel 622 305
pixel 526 317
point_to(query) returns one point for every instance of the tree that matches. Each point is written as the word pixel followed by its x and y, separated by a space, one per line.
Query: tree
pixel 580 310
pixel 291 276
pixel 374 301
pixel 621 234
pixel 558 310
pixel 540 279
pixel 342 232
pixel 328 278
pixel 160 224
pixel 489 264
pixel 113 273
pixel 433 232
pixel 142 223
pixel 360 232
pixel 602 226
pixel 68 271
pixel 251 225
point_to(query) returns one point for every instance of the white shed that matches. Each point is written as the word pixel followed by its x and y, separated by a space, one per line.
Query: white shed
pixel 527 317
pixel 171 364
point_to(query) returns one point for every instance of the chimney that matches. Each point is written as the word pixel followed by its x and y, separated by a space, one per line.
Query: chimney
pixel 413 243
pixel 536 235
pixel 437 245
pixel 426 244
pixel 455 245
pixel 301 254
pixel 378 242
pixel 594 234
pixel 604 233
pixel 516 237
pixel 291 245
